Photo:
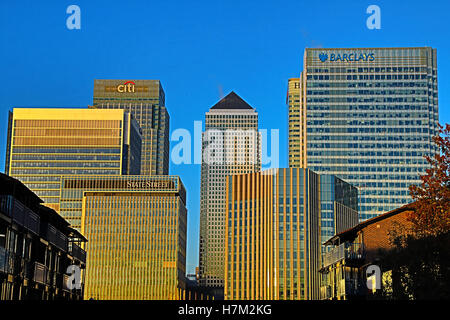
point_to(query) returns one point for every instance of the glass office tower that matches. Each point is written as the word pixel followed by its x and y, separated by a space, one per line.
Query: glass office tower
pixel 231 145
pixel 46 144
pixel 276 222
pixel 293 103
pixel 145 99
pixel 366 115
pixel 136 227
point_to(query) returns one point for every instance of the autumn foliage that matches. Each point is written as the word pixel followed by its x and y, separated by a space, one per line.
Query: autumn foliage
pixel 431 216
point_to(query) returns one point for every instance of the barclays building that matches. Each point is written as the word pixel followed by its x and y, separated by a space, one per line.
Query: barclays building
pixel 366 115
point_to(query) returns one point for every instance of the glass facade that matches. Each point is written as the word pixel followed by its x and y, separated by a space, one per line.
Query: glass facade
pixel 136 231
pixel 145 99
pixel 293 103
pixel 276 222
pixel 366 115
pixel 46 144
pixel 231 143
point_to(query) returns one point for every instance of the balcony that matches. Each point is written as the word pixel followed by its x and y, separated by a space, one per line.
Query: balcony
pixel 345 251
pixel 76 252
pixel 55 237
pixel 41 274
pixel 65 280
pixel 61 280
pixel 20 213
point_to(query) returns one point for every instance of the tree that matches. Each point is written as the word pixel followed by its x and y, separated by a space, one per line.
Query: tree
pixel 431 214
pixel 420 268
pixel 420 260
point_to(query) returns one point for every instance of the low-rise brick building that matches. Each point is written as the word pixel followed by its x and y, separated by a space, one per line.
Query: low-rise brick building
pixel 345 264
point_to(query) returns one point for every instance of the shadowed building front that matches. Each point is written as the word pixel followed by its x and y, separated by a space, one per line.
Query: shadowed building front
pixel 145 99
pixel 276 222
pixel 366 115
pixel 36 248
pixel 136 226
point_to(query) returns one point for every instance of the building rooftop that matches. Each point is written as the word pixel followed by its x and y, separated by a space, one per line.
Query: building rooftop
pixel 232 101
pixel 15 188
pixel 350 233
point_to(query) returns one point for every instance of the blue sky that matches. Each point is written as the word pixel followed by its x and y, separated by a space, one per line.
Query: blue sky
pixel 200 50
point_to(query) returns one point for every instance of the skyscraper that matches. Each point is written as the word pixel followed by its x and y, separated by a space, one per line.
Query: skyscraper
pixel 293 103
pixel 145 99
pixel 136 227
pixel 231 145
pixel 366 115
pixel 276 222
pixel 45 144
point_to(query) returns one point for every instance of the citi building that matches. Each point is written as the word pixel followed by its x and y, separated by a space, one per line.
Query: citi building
pixel 367 116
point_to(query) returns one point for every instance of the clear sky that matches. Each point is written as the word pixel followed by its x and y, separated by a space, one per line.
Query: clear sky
pixel 200 50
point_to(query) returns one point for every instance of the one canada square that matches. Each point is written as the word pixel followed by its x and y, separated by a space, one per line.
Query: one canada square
pixel 366 115
pixel 231 145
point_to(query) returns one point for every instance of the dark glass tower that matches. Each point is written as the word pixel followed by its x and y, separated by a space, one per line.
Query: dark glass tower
pixel 145 99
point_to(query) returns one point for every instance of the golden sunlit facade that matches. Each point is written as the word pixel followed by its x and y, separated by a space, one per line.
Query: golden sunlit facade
pixel 276 222
pixel 293 103
pixel 47 143
pixel 233 126
pixel 136 227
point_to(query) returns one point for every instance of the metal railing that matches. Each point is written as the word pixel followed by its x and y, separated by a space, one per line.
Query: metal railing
pixel 65 279
pixel 41 274
pixel 77 252
pixel 346 250
pixel 20 213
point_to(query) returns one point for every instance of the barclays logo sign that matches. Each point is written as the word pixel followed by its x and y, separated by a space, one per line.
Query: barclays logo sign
pixel 349 57
pixel 323 57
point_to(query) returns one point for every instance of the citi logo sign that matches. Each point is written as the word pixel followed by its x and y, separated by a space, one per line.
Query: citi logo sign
pixel 349 57
pixel 126 87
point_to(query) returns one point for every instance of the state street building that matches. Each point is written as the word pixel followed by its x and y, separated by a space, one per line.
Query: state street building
pixel 45 144
pixel 276 222
pixel 366 115
pixel 145 99
pixel 136 226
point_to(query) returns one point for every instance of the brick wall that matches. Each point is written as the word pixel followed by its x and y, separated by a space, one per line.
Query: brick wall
pixel 377 234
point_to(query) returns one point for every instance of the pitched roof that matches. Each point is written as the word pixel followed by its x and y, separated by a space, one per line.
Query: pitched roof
pixel 232 101
pixel 352 231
